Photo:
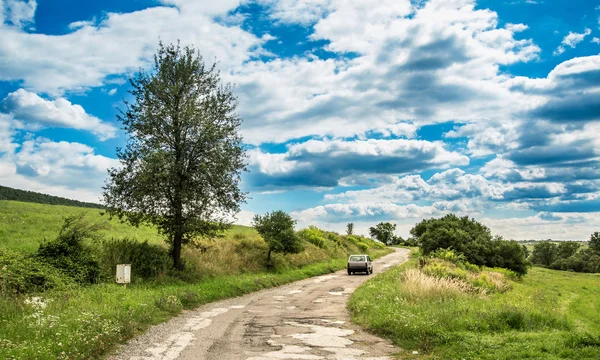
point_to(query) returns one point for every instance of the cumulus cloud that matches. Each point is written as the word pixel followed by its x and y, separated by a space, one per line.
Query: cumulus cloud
pixel 571 40
pixel 413 64
pixel 18 13
pixel 324 163
pixel 118 44
pixel 30 108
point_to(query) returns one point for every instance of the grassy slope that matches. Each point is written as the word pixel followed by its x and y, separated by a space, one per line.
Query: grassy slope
pixel 548 315
pixel 24 225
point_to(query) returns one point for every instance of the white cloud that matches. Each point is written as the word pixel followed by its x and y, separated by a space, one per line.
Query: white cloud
pixel 111 92
pixel 571 41
pixel 65 169
pixel 572 226
pixel 516 27
pixel 327 163
pixel 119 44
pixel 438 64
pixel 31 109
pixel 18 13
pixel 596 40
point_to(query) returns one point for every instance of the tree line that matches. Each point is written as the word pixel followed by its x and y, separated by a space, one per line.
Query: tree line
pixel 568 255
pixel 7 193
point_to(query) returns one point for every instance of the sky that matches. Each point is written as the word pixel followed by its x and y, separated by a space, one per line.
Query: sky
pixel 354 110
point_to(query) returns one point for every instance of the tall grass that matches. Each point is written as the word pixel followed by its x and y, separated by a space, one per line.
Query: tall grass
pixel 546 315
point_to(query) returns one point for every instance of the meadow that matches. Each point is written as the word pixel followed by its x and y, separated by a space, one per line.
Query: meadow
pixel 445 311
pixel 76 321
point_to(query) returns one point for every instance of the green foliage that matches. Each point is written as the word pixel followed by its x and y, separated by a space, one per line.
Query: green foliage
pixel 449 255
pixel 544 253
pixel 586 260
pixel 183 159
pixel 7 193
pixel 68 253
pixel 384 232
pixel 567 249
pixel 547 314
pixel 472 239
pixel 24 274
pixel 277 229
pixel 169 303
pixel 313 235
pixel 595 242
pixel 147 261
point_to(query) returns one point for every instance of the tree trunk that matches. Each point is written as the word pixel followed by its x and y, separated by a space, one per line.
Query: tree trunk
pixel 177 241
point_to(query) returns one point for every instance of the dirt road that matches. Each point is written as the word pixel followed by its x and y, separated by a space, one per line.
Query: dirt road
pixel 303 320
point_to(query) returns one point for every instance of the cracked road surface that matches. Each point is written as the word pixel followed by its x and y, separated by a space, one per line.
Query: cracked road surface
pixel 302 320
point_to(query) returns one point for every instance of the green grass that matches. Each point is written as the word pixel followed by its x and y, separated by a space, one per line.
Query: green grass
pixel 83 322
pixel 547 315
pixel 23 226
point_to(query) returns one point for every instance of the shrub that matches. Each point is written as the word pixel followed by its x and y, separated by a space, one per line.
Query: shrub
pixel 169 303
pixel 69 254
pixel 147 260
pixel 23 274
pixel 363 247
pixel 313 235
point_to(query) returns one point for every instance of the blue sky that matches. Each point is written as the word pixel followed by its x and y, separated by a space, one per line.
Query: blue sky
pixel 354 110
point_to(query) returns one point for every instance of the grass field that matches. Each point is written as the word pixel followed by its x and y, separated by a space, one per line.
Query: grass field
pixel 547 315
pixel 23 226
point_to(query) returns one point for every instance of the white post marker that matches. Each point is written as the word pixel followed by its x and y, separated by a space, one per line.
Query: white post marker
pixel 123 274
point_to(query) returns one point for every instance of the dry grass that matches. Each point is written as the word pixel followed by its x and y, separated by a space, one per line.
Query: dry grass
pixel 417 284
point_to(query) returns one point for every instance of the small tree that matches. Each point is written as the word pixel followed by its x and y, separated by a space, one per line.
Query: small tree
pixel 567 249
pixel 183 159
pixel 384 232
pixel 350 229
pixel 277 229
pixel 544 253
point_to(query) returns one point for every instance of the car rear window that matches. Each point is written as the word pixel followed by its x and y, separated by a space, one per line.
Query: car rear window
pixel 357 258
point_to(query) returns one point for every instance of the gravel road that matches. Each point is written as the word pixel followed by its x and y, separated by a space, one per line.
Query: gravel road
pixel 302 320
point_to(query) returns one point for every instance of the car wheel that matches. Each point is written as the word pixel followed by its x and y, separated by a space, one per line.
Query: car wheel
pixel 349 273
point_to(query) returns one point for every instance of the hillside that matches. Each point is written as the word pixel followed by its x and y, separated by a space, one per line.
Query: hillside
pixel 7 193
pixel 23 226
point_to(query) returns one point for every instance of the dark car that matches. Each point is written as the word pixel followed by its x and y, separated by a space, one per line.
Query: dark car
pixel 360 263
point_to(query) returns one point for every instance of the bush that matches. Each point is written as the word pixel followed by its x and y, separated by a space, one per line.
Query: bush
pixel 69 254
pixel 313 235
pixel 147 261
pixel 24 274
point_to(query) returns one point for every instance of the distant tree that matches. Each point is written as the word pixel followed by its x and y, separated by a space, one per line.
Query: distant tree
pixel 526 251
pixel 181 167
pixel 567 249
pixel 595 242
pixel 277 229
pixel 544 253
pixel 350 229
pixel 397 240
pixel 384 232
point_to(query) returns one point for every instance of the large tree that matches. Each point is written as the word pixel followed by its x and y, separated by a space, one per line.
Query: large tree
pixel 180 169
pixel 384 232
